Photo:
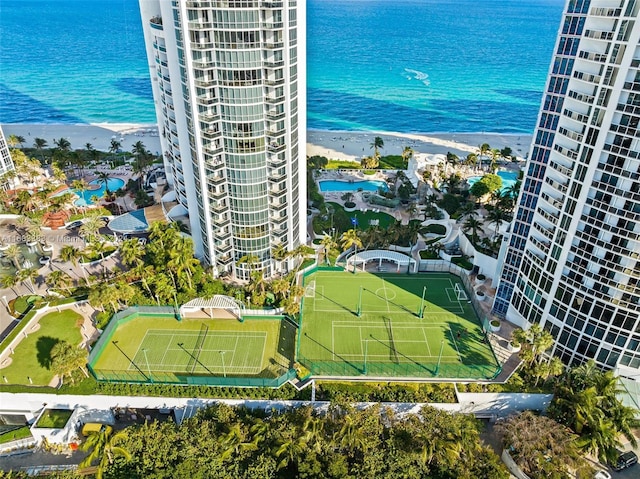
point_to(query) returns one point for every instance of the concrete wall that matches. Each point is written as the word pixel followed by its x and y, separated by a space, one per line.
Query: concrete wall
pixel 492 405
pixel 486 264
pixel 512 466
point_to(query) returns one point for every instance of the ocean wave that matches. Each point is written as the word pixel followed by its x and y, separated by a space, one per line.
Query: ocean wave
pixel 417 75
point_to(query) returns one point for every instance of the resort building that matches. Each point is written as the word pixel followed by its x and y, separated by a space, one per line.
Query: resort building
pixel 572 259
pixel 229 82
pixel 6 163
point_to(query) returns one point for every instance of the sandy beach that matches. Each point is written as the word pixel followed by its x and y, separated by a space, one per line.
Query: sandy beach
pixel 98 134
pixel 346 145
pixel 353 145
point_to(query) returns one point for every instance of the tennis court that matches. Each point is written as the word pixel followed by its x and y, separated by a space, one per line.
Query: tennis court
pixel 391 325
pixel 166 350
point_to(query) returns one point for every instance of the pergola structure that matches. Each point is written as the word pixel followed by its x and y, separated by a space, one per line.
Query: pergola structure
pixel 225 306
pixel 363 257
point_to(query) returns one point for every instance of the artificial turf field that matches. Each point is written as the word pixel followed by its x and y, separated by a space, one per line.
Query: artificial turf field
pixel 389 338
pixel 167 349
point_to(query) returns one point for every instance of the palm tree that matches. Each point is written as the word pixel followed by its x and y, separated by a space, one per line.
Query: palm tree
pixel 40 144
pixel 115 146
pixel 483 149
pixel 70 253
pixel 66 358
pixel 496 216
pixel 9 281
pixel 14 254
pixel 327 243
pixel 60 279
pixel 182 260
pixel 131 252
pixel 377 144
pixel 14 140
pixel 104 177
pixel 104 447
pixel 473 225
pixel 350 239
pixel 62 144
pixel 27 276
pixel 90 229
pixel 407 154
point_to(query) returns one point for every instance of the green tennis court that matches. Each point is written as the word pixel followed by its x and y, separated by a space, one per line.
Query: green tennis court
pixel 163 349
pixel 371 324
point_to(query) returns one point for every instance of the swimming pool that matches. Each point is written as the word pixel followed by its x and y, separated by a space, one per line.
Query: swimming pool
pixel 508 178
pixel 368 185
pixel 85 196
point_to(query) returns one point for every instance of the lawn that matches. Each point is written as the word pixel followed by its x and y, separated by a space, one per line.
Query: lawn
pixel 342 220
pixel 369 324
pixel 15 434
pixel 54 418
pixel 31 358
pixel 168 350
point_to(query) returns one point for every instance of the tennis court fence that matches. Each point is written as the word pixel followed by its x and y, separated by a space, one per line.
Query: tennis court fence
pixel 400 370
pixel 153 377
pixel 142 376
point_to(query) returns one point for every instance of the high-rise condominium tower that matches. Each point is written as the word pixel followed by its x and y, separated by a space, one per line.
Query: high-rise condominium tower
pixel 228 82
pixel 6 163
pixel 573 257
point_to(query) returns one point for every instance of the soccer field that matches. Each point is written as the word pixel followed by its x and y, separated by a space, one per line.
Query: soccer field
pixel 166 350
pixel 370 324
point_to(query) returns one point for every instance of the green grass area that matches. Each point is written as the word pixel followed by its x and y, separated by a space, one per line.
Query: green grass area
pixel 31 357
pixel 54 418
pixel 391 162
pixel 342 220
pixel 20 433
pixel 428 254
pixel 169 350
pixel 342 164
pixel 22 303
pixel 435 229
pixel 462 262
pixel 387 338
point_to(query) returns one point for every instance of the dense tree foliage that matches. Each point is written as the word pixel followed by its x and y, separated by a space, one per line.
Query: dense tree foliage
pixel 222 442
pixel 541 447
pixel 586 401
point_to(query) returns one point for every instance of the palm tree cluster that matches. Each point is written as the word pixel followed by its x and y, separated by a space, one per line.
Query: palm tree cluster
pixel 345 443
pixel 67 358
pixel 586 400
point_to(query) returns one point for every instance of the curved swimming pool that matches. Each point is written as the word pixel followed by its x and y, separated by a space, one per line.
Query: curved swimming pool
pixel 97 188
pixel 365 185
pixel 508 178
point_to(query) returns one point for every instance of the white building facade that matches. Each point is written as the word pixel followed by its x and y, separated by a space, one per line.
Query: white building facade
pixel 229 84
pixel 573 257
pixel 6 163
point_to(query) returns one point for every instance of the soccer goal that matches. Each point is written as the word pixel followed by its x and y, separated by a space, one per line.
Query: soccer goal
pixel 461 294
pixel 310 289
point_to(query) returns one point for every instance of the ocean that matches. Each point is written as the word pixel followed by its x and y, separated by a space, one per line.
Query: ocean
pixel 395 65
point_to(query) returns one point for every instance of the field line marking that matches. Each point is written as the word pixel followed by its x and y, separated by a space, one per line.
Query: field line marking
pixel 426 341
pixel 165 351
pixel 456 345
pixel 264 345
pixel 233 355
pixel 384 289
pixel 333 342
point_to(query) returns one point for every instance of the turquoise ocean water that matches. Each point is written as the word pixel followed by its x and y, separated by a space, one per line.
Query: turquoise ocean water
pixel 397 65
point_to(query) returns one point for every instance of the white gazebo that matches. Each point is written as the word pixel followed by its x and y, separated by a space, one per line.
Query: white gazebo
pixel 380 255
pixel 224 307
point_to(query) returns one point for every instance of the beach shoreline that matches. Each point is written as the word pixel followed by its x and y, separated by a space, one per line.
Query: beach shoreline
pixel 334 144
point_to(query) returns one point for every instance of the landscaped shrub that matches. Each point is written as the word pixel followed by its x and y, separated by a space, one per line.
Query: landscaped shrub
pixel 429 254
pixel 462 262
pixel 435 229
